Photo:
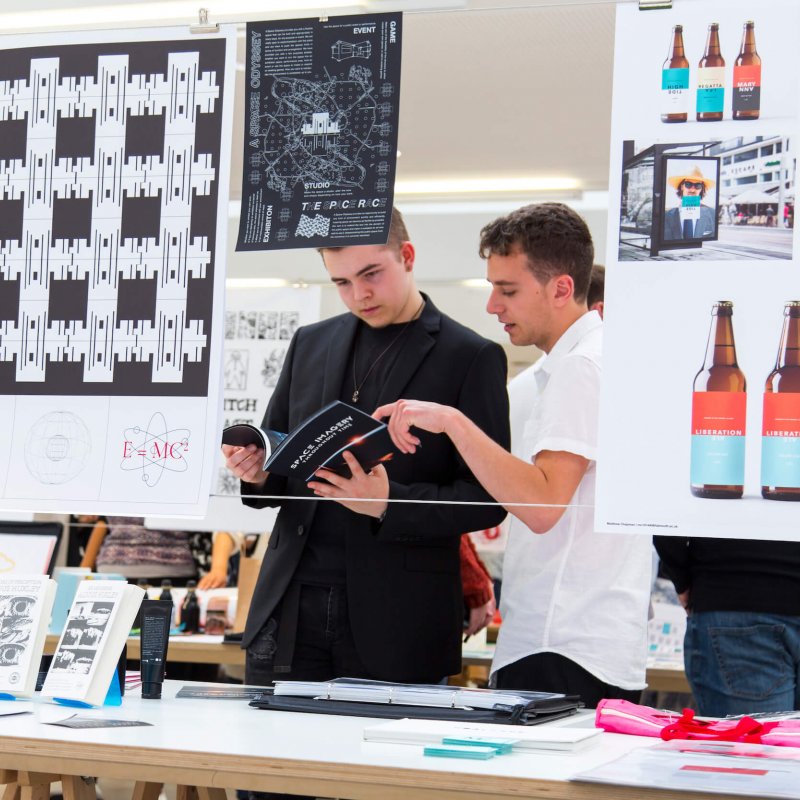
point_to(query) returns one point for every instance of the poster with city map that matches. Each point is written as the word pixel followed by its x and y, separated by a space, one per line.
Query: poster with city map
pixel 320 132
pixel 114 154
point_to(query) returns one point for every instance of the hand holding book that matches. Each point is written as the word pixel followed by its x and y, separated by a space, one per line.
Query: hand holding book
pixel 318 442
pixel 363 492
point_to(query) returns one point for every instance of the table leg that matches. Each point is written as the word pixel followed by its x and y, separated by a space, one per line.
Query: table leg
pixel 187 793
pixel 146 791
pixel 75 787
pixel 209 793
pixel 11 791
pixel 35 785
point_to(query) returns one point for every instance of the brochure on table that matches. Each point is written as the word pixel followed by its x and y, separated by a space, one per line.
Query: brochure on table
pixel 654 440
pixel 716 767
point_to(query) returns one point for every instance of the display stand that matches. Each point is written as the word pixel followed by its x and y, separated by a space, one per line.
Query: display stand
pixel 113 696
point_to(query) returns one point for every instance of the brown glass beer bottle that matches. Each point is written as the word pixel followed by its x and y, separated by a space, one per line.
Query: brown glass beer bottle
pixel 780 428
pixel 711 79
pixel 747 77
pixel 719 405
pixel 675 81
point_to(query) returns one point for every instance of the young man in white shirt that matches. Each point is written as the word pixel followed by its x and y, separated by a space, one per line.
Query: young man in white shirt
pixel 574 602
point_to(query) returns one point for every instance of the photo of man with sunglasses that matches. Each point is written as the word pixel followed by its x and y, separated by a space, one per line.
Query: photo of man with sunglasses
pixel 692 219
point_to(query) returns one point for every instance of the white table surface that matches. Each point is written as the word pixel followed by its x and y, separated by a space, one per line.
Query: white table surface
pixel 225 743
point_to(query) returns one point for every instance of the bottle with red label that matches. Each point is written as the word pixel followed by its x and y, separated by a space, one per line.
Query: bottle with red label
pixel 780 429
pixel 747 77
pixel 719 408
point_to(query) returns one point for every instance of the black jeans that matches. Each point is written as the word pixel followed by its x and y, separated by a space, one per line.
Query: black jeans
pixel 324 649
pixel 324 646
pixel 551 672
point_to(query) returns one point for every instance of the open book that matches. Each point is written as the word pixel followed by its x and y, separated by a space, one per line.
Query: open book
pixel 318 441
pixel 25 605
pixel 97 627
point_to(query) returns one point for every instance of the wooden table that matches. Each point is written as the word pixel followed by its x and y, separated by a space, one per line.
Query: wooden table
pixel 190 649
pixel 209 745
pixel 203 649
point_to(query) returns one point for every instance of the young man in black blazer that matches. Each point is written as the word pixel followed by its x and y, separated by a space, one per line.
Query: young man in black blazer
pixel 354 584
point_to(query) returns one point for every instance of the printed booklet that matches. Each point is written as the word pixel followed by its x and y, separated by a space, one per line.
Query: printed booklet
pixel 25 605
pixel 318 441
pixel 97 628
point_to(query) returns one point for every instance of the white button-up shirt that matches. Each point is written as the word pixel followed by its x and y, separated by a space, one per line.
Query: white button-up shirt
pixel 571 591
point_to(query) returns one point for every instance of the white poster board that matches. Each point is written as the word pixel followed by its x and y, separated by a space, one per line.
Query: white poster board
pixel 259 324
pixel 114 155
pixel 659 296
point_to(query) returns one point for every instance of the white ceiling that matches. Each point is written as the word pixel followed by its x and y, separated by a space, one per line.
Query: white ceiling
pixel 503 88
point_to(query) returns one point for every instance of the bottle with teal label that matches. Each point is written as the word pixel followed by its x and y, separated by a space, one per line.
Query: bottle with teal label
pixel 675 81
pixel 711 79
pixel 780 427
pixel 719 410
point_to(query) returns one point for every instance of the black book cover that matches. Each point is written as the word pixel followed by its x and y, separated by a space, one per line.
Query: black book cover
pixel 319 441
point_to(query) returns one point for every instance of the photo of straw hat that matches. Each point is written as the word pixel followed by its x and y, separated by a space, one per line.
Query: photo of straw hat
pixel 694 176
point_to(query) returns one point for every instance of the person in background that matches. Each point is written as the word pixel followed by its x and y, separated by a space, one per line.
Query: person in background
pixel 742 600
pixel 574 602
pixel 224 545
pixel 478 588
pixel 595 297
pixel 124 545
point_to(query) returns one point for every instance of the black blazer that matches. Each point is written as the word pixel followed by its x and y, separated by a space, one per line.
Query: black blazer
pixel 403 575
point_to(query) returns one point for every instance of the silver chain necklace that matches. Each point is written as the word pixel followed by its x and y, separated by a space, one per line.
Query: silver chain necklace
pixel 358 386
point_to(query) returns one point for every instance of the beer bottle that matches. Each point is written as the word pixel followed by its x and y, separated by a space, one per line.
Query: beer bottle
pixel 711 79
pixel 675 81
pixel 780 431
pixel 747 76
pixel 719 407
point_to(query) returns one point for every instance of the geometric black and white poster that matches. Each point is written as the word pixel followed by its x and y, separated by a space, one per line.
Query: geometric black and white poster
pixel 114 159
pixel 320 134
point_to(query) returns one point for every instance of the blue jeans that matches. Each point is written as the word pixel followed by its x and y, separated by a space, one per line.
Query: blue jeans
pixel 740 662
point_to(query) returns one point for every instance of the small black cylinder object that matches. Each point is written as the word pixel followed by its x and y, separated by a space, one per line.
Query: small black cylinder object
pixel 190 609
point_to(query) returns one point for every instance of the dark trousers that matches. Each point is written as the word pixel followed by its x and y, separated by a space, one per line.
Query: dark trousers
pixel 323 649
pixel 551 672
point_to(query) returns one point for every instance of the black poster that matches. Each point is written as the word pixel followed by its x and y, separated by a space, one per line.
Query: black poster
pixel 109 162
pixel 320 134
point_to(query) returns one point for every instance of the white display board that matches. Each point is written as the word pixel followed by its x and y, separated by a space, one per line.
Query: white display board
pixel 660 292
pixel 114 160
pixel 259 324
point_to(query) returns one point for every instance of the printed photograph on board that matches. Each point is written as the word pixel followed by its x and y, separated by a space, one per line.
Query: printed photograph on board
pixel 708 65
pixel 700 419
pixel 710 200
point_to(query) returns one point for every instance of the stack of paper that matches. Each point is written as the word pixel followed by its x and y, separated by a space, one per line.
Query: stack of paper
pixel 365 691
pixel 525 739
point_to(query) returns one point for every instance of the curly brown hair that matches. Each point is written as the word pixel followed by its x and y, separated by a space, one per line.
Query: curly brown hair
pixel 555 239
